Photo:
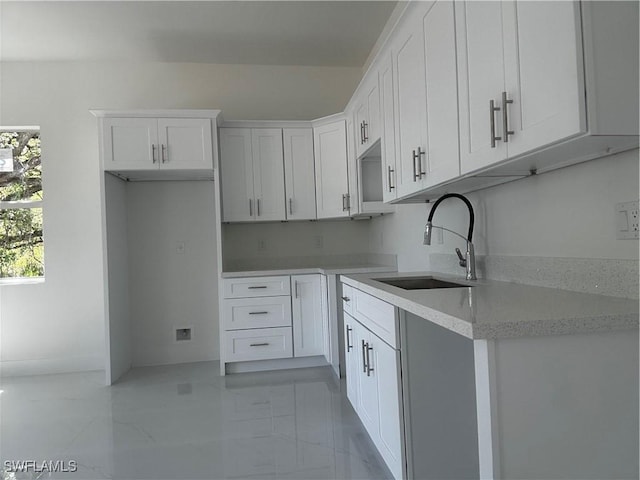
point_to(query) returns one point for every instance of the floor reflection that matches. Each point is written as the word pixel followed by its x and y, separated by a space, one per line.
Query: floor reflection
pixel 187 422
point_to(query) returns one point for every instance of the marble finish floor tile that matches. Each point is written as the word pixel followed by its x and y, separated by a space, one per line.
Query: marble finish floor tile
pixel 186 422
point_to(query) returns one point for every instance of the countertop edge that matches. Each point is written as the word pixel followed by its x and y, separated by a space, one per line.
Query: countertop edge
pixel 490 331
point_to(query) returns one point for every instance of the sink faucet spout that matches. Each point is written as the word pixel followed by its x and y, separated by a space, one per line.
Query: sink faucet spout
pixel 469 260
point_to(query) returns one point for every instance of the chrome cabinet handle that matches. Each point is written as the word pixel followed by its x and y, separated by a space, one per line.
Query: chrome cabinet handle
pixel 492 110
pixel 369 369
pixel 361 132
pixel 348 197
pixel 416 175
pixel 365 128
pixel 290 206
pixel 250 208
pixel 505 117
pixel 153 152
pixel 389 172
pixel 364 358
pixel 254 287
pixel 349 346
pixel 258 313
pixel 420 155
pixel 258 206
pixel 263 344
pixel 346 299
pixel 344 202
pixel 165 155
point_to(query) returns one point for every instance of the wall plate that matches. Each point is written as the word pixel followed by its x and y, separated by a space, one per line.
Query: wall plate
pixel 627 225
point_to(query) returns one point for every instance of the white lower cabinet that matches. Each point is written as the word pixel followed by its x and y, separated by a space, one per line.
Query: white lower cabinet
pixel 258 344
pixel 265 318
pixel 373 378
pixel 310 316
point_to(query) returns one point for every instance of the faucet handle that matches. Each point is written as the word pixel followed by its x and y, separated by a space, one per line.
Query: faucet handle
pixel 463 261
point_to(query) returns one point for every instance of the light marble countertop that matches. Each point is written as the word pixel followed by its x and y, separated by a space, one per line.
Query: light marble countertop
pixel 327 269
pixel 492 309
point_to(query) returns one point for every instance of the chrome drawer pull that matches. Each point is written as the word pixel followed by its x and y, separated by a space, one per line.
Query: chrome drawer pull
pixel 349 346
pixel 505 117
pixel 253 288
pixel 259 344
pixel 492 119
pixel 346 299
pixel 258 313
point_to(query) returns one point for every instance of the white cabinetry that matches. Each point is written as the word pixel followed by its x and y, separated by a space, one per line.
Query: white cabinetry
pixel 299 173
pixel 276 317
pixel 256 319
pixel 367 114
pixel 521 78
pixel 310 315
pixel 387 126
pixel 147 144
pixel 423 55
pixel 252 172
pixel 373 373
pixel 332 182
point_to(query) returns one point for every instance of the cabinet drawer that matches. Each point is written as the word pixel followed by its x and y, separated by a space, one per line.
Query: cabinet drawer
pixel 256 287
pixel 378 316
pixel 347 298
pixel 258 344
pixel 263 312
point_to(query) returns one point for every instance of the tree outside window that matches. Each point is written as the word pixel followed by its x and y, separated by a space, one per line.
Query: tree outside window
pixel 21 239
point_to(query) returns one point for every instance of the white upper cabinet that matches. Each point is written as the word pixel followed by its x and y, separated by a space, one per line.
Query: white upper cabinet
pixel 387 126
pixel 299 174
pixel 352 161
pixel 268 173
pixel 131 143
pixel 332 183
pixel 252 174
pixel 424 81
pixel 367 114
pixel 521 78
pixel 185 143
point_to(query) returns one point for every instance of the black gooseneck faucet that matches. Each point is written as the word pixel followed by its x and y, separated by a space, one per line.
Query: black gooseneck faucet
pixel 469 260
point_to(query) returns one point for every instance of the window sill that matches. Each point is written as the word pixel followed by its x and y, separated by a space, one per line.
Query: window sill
pixel 21 281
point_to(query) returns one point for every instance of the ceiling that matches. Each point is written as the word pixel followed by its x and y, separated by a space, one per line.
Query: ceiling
pixel 322 33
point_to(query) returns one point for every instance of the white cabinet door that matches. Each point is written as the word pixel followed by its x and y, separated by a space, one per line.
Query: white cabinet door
pixel 353 203
pixel 442 160
pixel 236 165
pixel 130 144
pixel 387 126
pixel 351 332
pixel 268 173
pixel 543 73
pixel 410 106
pixel 372 129
pixel 310 325
pixel 480 80
pixel 299 173
pixel 185 143
pixel 368 402
pixel 332 187
pixel 387 373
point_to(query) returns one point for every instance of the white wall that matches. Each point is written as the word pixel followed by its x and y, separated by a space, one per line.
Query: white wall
pixel 171 287
pixel 566 213
pixel 59 325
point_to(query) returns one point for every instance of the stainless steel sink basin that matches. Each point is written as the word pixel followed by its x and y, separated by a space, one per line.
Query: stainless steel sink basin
pixel 419 283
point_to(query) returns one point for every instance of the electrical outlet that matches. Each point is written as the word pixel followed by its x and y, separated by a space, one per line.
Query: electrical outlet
pixel 627 221
pixel 183 334
pixel 318 241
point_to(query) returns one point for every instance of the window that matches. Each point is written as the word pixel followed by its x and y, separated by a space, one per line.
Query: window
pixel 21 239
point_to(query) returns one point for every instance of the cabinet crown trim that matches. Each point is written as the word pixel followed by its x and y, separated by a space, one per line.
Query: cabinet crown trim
pixel 181 113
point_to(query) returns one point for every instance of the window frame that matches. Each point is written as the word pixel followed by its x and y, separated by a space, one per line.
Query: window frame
pixel 23 205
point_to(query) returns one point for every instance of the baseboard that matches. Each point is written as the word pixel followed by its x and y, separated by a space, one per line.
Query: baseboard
pixel 276 364
pixel 47 366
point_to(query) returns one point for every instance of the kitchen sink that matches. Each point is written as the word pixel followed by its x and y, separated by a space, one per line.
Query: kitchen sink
pixel 419 283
